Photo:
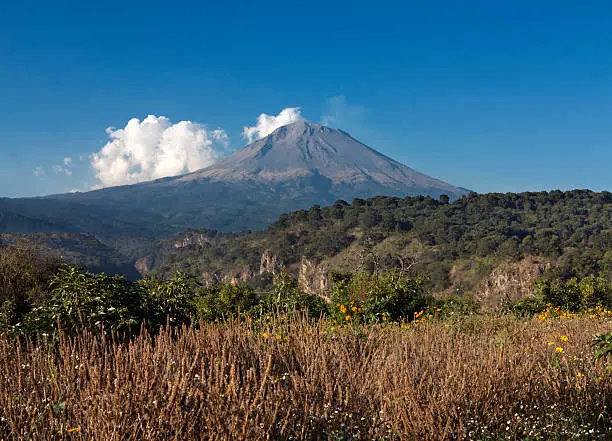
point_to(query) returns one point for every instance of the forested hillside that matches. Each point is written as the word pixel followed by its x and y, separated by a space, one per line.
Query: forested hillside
pixel 72 248
pixel 457 246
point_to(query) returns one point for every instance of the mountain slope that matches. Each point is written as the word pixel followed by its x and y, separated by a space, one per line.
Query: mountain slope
pixel 18 223
pixel 295 167
pixel 74 248
pixel 303 150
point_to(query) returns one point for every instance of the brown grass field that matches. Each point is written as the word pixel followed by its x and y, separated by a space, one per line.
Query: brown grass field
pixel 482 378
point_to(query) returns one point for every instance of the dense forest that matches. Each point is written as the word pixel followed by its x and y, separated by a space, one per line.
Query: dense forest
pixel 457 245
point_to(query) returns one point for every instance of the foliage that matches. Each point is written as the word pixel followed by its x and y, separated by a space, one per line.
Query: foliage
pixel 81 300
pixel 285 297
pixel 524 307
pixel 575 294
pixel 427 236
pixel 168 300
pixel 24 281
pixel 571 296
pixel 224 301
pixel 373 297
pixel 603 345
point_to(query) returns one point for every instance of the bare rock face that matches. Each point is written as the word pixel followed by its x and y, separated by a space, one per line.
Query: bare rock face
pixel 144 265
pixel 511 281
pixel 313 279
pixel 191 238
pixel 269 263
pixel 245 275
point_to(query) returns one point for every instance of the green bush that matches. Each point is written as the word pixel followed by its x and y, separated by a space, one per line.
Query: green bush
pixel 575 294
pixel 168 301
pixel 524 307
pixel 223 301
pixel 24 282
pixel 370 298
pixel 286 297
pixel 603 344
pixel 457 305
pixel 83 300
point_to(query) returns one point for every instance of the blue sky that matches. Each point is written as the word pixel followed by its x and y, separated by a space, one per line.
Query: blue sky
pixel 492 97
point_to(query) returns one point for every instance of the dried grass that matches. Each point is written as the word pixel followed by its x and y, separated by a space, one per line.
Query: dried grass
pixel 301 380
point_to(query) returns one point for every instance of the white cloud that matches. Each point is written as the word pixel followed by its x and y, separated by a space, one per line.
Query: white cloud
pixel 155 148
pixel 59 169
pixel 64 168
pixel 266 124
pixel 340 113
pixel 39 171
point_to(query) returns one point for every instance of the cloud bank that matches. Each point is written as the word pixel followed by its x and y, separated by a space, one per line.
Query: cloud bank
pixel 266 124
pixel 155 148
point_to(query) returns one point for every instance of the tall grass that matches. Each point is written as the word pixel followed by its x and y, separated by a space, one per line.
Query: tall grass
pixel 482 378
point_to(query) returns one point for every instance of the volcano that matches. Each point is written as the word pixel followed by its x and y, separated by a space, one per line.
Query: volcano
pixel 295 167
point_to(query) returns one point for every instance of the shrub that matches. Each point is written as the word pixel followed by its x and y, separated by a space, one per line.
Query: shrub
pixel 575 295
pixel 286 297
pixel 390 296
pixel 24 282
pixel 224 300
pixel 524 307
pixel 81 300
pixel 169 301
pixel 603 345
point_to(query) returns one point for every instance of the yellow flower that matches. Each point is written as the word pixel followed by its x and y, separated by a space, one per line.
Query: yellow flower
pixel 564 338
pixel 342 309
pixel 384 318
pixel 354 308
pixel 347 318
pixel 550 343
pixel 264 334
pixel 559 349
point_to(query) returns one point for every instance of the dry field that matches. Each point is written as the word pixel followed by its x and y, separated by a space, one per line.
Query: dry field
pixel 482 378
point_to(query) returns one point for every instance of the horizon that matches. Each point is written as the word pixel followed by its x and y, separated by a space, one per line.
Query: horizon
pixel 485 97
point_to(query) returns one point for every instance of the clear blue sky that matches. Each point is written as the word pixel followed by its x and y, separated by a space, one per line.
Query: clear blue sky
pixel 489 95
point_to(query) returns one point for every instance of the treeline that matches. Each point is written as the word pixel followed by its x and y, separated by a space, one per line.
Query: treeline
pixel 572 229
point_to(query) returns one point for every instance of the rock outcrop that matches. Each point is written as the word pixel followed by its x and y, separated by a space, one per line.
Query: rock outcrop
pixel 511 281
pixel 313 278
pixel 191 238
pixel 269 263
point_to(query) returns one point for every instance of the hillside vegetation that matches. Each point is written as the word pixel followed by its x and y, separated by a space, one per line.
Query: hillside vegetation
pixel 458 246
